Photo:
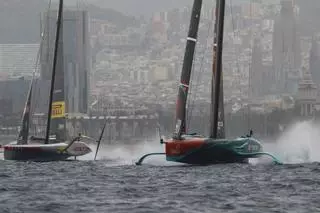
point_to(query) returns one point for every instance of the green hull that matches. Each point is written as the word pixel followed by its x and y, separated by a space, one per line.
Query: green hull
pixel 197 150
pixel 220 151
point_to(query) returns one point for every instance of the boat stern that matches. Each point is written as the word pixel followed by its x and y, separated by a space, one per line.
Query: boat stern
pixel 249 146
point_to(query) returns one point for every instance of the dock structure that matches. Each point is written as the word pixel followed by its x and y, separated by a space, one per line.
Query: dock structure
pixel 118 128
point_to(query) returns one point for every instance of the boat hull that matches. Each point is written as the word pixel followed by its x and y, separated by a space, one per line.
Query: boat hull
pixel 44 152
pixel 204 151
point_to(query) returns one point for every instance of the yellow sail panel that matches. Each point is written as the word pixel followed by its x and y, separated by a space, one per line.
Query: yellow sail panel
pixel 58 109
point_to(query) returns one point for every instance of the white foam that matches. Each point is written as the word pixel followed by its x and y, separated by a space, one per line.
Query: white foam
pixel 128 154
pixel 300 143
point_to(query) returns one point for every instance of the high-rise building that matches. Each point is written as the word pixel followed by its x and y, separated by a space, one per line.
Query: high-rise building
pixel 251 9
pixel 286 50
pixel 307 95
pixel 76 55
pixel 256 78
pixel 314 61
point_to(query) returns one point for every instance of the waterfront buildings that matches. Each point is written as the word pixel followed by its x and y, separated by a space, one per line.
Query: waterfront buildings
pixel 75 51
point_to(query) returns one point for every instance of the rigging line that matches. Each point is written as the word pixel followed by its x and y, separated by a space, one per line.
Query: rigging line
pixel 191 82
pixel 193 91
pixel 193 96
pixel 36 70
pixel 250 89
pixel 237 49
pixel 40 48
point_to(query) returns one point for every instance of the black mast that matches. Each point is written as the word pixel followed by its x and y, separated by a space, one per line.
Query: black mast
pixel 54 70
pixel 218 66
pixel 186 70
pixel 221 123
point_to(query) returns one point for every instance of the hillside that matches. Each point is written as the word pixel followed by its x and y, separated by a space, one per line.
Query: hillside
pixel 141 7
pixel 20 19
pixel 148 7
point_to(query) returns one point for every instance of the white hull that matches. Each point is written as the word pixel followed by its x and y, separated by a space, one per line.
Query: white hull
pixel 36 150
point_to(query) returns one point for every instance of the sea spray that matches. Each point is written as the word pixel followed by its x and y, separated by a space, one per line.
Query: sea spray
pixel 119 152
pixel 300 143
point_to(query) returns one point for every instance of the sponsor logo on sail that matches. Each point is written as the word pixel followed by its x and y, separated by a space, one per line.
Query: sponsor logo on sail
pixel 58 109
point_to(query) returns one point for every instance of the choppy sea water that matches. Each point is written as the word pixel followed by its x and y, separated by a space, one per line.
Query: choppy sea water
pixel 115 184
pixel 104 186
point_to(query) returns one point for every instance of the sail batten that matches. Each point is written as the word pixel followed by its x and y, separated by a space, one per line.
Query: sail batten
pixel 186 69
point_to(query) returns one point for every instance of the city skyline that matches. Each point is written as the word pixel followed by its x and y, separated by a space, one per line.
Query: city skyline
pixel 146 57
